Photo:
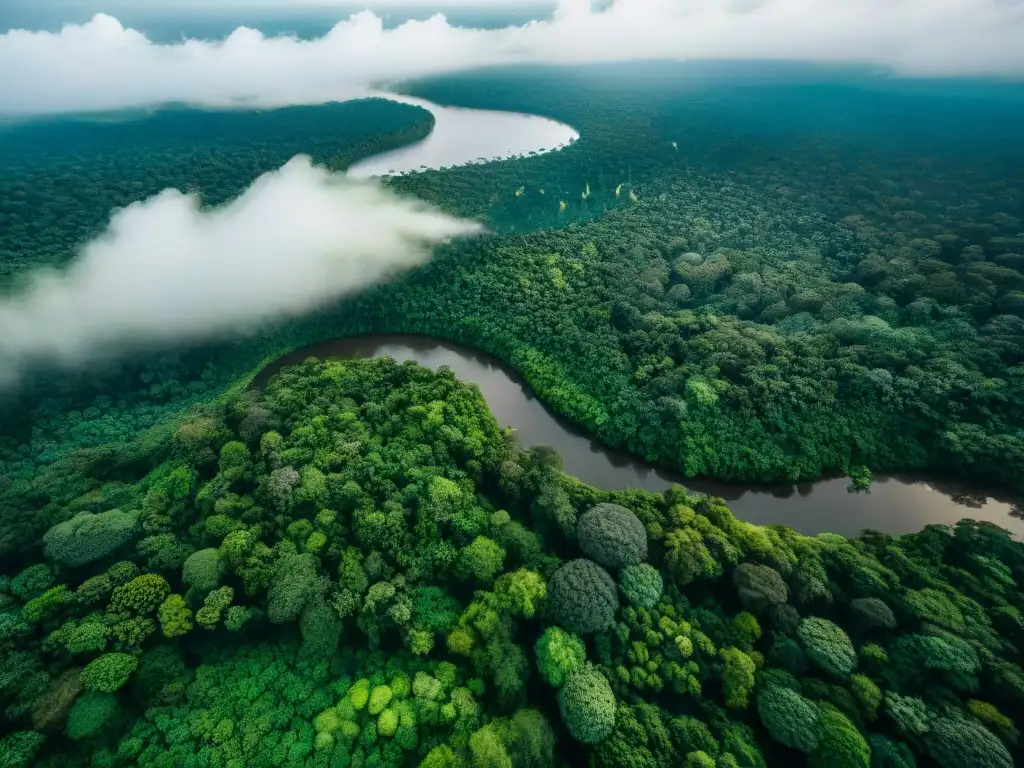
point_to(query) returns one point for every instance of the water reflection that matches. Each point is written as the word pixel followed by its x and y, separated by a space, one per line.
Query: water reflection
pixel 464 136
pixel 896 503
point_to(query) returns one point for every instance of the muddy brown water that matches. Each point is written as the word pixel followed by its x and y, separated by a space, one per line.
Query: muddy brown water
pixel 895 504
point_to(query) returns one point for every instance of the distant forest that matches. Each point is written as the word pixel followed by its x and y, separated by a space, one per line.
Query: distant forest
pixel 739 278
pixel 60 178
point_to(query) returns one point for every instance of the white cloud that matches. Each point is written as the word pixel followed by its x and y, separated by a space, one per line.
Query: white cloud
pixel 102 65
pixel 406 4
pixel 165 270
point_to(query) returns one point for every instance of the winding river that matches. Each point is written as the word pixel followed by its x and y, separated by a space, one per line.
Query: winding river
pixel 895 504
pixel 464 136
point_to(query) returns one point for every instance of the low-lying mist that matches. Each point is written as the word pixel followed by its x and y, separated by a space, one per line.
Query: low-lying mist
pixel 104 65
pixel 166 270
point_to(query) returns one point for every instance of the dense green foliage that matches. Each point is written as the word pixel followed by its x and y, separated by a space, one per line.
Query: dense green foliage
pixel 587 705
pixel 612 536
pixel 357 567
pixel 108 672
pixel 88 536
pixel 641 584
pixel 559 655
pixel 744 314
pixel 59 178
pixel 583 597
pixel 791 719
pixel 352 596
pixel 751 316
pixel 827 645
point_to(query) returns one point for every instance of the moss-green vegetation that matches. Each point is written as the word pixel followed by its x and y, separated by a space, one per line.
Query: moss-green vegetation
pixel 746 316
pixel 377 644
pixel 749 317
pixel 60 178
pixel 358 567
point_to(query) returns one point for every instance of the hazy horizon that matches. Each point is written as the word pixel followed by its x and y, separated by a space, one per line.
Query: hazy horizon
pixel 303 18
pixel 104 63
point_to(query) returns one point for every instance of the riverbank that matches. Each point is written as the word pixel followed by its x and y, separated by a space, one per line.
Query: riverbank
pixel 463 136
pixel 896 503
